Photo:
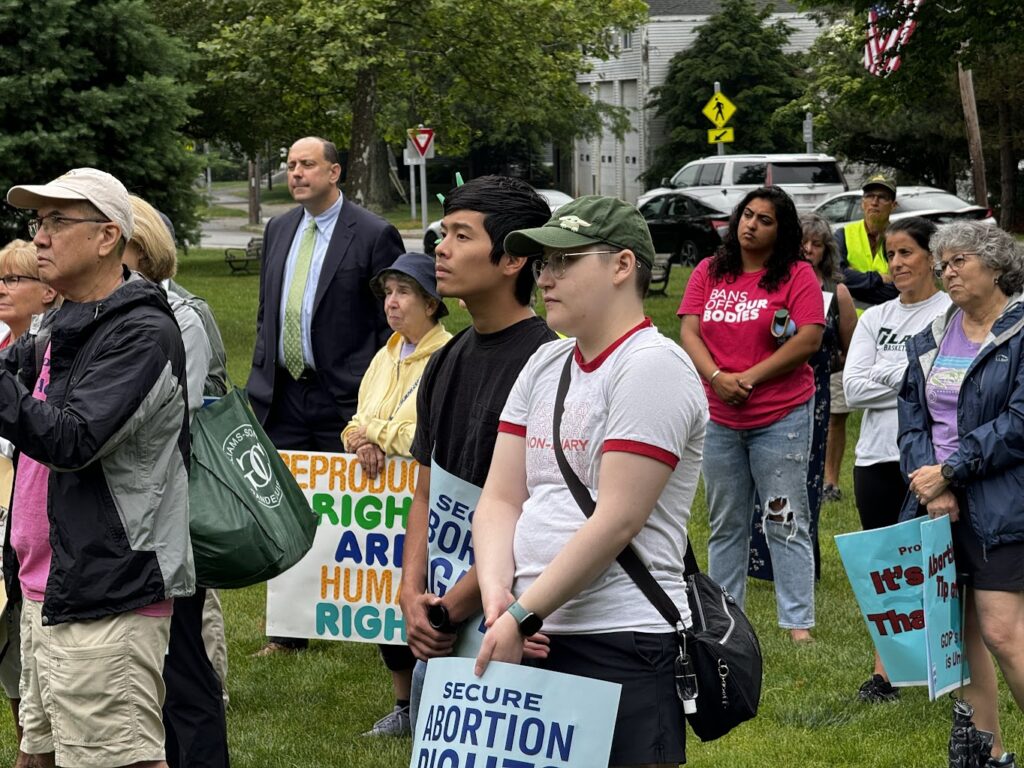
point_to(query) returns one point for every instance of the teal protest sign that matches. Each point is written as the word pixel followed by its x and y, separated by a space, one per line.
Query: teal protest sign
pixel 884 568
pixel 450 546
pixel 904 579
pixel 512 717
pixel 941 609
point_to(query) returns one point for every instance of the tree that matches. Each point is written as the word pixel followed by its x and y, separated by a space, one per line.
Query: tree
pixel 910 121
pixel 986 36
pixel 739 48
pixel 366 70
pixel 95 83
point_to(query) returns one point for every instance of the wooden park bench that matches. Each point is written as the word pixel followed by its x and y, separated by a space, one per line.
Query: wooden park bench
pixel 239 259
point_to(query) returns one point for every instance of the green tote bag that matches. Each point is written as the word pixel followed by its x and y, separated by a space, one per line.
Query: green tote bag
pixel 249 519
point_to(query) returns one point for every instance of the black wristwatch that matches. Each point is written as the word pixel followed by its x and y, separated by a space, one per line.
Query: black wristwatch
pixel 948 472
pixel 528 621
pixel 439 619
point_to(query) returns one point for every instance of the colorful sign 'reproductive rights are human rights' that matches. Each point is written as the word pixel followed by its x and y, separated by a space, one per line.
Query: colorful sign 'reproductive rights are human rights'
pixel 347 585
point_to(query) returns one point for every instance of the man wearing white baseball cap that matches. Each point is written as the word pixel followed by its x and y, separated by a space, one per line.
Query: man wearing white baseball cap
pixel 94 398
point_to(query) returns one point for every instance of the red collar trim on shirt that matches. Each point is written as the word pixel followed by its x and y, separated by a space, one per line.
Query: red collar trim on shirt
pixel 594 364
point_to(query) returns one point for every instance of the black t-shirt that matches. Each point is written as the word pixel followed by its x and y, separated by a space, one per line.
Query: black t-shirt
pixel 463 391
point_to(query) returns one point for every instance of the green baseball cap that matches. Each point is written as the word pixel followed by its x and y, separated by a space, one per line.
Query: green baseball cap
pixel 587 220
pixel 881 180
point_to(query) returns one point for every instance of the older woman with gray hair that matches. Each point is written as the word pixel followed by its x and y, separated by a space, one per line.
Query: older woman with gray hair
pixel 961 437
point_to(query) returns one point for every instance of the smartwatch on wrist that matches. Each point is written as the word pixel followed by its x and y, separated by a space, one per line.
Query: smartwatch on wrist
pixel 948 472
pixel 528 621
pixel 437 616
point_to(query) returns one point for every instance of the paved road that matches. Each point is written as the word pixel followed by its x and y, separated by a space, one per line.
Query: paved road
pixel 234 232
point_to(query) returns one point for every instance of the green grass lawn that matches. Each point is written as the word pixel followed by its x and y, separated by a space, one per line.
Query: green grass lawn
pixel 307 711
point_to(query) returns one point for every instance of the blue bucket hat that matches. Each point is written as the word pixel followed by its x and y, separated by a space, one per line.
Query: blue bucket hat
pixel 420 268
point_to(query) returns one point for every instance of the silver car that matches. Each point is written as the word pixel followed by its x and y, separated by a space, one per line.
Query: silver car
pixel 930 202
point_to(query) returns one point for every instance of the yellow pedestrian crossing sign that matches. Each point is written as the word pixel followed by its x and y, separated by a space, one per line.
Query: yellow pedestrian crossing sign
pixel 719 109
pixel 721 136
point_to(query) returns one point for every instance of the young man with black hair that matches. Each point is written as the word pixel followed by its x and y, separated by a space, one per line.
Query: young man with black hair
pixel 460 398
pixel 632 430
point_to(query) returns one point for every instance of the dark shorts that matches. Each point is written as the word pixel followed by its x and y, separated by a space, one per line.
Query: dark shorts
pixel 880 491
pixel 397 658
pixel 650 726
pixel 1000 569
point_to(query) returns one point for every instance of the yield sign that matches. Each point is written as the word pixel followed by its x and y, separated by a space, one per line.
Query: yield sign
pixel 421 139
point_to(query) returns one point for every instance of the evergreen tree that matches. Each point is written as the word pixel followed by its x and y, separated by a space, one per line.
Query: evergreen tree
pixel 740 49
pixel 94 83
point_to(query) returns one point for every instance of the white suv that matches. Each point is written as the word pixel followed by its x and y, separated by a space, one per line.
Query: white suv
pixel 722 180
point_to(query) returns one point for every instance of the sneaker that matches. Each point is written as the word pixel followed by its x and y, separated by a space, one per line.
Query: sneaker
pixel 394 723
pixel 1008 760
pixel 878 689
pixel 831 493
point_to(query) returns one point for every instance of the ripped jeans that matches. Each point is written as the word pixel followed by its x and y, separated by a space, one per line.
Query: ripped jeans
pixel 772 460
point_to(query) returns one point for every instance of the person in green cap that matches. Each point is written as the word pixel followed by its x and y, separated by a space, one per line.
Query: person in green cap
pixel 633 430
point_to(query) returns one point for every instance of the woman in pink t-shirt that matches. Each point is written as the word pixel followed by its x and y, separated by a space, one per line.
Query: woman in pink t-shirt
pixel 22 296
pixel 752 316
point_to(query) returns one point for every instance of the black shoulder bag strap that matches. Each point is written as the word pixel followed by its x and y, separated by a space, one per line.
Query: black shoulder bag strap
pixel 627 558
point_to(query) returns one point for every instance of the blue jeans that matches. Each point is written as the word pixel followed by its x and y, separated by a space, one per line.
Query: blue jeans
pixel 773 461
pixel 419 674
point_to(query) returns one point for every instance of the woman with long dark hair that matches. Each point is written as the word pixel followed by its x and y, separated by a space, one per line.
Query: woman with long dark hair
pixel 752 316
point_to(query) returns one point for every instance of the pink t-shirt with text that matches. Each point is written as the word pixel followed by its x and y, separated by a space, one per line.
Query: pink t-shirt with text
pixel 735 318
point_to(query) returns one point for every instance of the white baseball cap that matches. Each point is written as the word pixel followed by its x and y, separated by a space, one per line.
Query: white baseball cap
pixel 98 187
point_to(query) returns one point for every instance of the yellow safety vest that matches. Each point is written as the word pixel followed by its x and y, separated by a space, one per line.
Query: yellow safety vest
pixel 858 250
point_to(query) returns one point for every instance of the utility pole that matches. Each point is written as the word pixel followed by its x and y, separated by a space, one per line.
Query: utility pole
pixel 970 107
pixel 254 191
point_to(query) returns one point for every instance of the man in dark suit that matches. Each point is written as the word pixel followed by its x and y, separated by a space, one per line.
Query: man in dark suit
pixel 318 323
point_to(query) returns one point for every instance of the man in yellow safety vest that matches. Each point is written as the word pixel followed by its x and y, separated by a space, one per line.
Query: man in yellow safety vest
pixel 862 245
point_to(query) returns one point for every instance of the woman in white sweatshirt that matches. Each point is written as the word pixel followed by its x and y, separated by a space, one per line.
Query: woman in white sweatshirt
pixel 875 366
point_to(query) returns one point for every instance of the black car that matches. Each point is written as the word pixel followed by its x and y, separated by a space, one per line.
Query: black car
pixel 683 226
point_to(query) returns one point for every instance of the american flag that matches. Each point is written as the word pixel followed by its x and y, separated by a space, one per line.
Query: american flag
pixel 888 31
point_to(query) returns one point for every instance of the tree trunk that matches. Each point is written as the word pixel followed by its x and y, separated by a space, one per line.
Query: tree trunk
pixel 973 135
pixel 368 182
pixel 1007 168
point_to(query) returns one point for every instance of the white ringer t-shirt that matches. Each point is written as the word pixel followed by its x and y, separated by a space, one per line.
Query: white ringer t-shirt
pixel 642 395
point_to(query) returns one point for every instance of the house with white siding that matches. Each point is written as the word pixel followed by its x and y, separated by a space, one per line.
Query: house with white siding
pixel 605 165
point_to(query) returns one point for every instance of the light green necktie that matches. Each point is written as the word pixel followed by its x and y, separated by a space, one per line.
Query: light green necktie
pixel 293 360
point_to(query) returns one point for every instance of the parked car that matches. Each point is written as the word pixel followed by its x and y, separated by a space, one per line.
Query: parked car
pixel 721 181
pixel 555 198
pixel 683 226
pixel 930 202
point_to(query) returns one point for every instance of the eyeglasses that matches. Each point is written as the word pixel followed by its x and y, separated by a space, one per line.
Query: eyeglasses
pixel 879 196
pixel 52 223
pixel 956 263
pixel 559 262
pixel 10 281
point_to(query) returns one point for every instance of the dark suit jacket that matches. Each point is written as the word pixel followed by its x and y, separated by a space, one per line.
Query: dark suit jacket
pixel 348 325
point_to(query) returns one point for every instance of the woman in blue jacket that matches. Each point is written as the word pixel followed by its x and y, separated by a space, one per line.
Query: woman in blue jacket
pixel 961 437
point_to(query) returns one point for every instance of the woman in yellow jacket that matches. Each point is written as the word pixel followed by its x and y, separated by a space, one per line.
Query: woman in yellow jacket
pixel 385 419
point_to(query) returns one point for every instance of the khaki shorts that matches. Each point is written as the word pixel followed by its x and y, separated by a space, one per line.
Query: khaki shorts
pixel 92 691
pixel 835 386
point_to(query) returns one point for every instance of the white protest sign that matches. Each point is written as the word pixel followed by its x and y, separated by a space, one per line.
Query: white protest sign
pixel 512 717
pixel 346 587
